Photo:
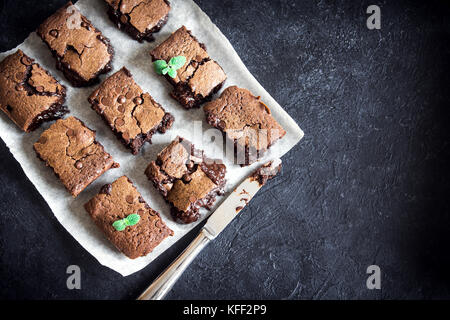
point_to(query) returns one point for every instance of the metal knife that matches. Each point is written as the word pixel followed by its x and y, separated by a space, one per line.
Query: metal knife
pixel 223 215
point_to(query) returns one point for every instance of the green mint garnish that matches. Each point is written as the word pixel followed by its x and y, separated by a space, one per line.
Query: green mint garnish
pixel 172 73
pixel 130 220
pixel 119 225
pixel 160 65
pixel 175 63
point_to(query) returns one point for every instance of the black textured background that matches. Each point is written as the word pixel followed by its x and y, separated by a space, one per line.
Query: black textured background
pixel 369 184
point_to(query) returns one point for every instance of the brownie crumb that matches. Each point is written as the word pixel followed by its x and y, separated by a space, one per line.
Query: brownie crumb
pixel 266 172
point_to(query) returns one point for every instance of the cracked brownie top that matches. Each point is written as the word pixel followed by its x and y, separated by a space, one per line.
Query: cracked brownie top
pixel 131 113
pixel 246 120
pixel 81 50
pixel 119 200
pixel 28 93
pixel 70 148
pixel 142 15
pixel 199 77
pixel 187 179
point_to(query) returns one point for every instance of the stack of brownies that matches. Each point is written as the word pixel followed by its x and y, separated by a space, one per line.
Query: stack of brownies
pixel 185 177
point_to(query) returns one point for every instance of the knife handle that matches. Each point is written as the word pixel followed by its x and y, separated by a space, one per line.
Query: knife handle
pixel 165 281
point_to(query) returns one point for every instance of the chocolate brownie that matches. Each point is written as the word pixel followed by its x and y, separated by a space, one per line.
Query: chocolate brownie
pixel 119 200
pixel 266 172
pixel 132 114
pixel 82 53
pixel 246 120
pixel 186 179
pixel 29 95
pixel 139 18
pixel 199 78
pixel 70 149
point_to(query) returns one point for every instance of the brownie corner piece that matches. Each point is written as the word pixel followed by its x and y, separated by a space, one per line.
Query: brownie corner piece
pixel 140 19
pixel 70 149
pixel 187 179
pixel 29 95
pixel 81 51
pixel 245 120
pixel 111 208
pixel 199 78
pixel 133 116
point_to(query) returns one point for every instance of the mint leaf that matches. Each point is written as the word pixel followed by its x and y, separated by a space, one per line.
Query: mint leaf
pixel 132 219
pixel 159 66
pixel 172 73
pixel 177 62
pixel 119 225
pixel 165 70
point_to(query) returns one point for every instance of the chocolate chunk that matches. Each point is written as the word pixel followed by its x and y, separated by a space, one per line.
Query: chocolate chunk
pixel 26 61
pixel 121 99
pixel 123 18
pixel 138 100
pixel 54 33
pixel 129 199
pixel 78 165
pixel 119 122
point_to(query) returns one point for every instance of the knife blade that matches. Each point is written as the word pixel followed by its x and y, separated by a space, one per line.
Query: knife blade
pixel 216 223
pixel 240 197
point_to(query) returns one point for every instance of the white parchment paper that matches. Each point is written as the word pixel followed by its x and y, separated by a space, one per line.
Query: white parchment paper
pixel 135 56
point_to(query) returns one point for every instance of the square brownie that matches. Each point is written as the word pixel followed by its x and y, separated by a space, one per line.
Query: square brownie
pixel 246 120
pixel 70 149
pixel 139 18
pixel 199 78
pixel 132 114
pixel 118 201
pixel 29 95
pixel 81 51
pixel 186 179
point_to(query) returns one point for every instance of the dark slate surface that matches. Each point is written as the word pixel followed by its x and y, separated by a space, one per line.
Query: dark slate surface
pixel 368 185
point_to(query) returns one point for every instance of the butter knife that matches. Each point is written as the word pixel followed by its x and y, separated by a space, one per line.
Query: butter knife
pixel 216 223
